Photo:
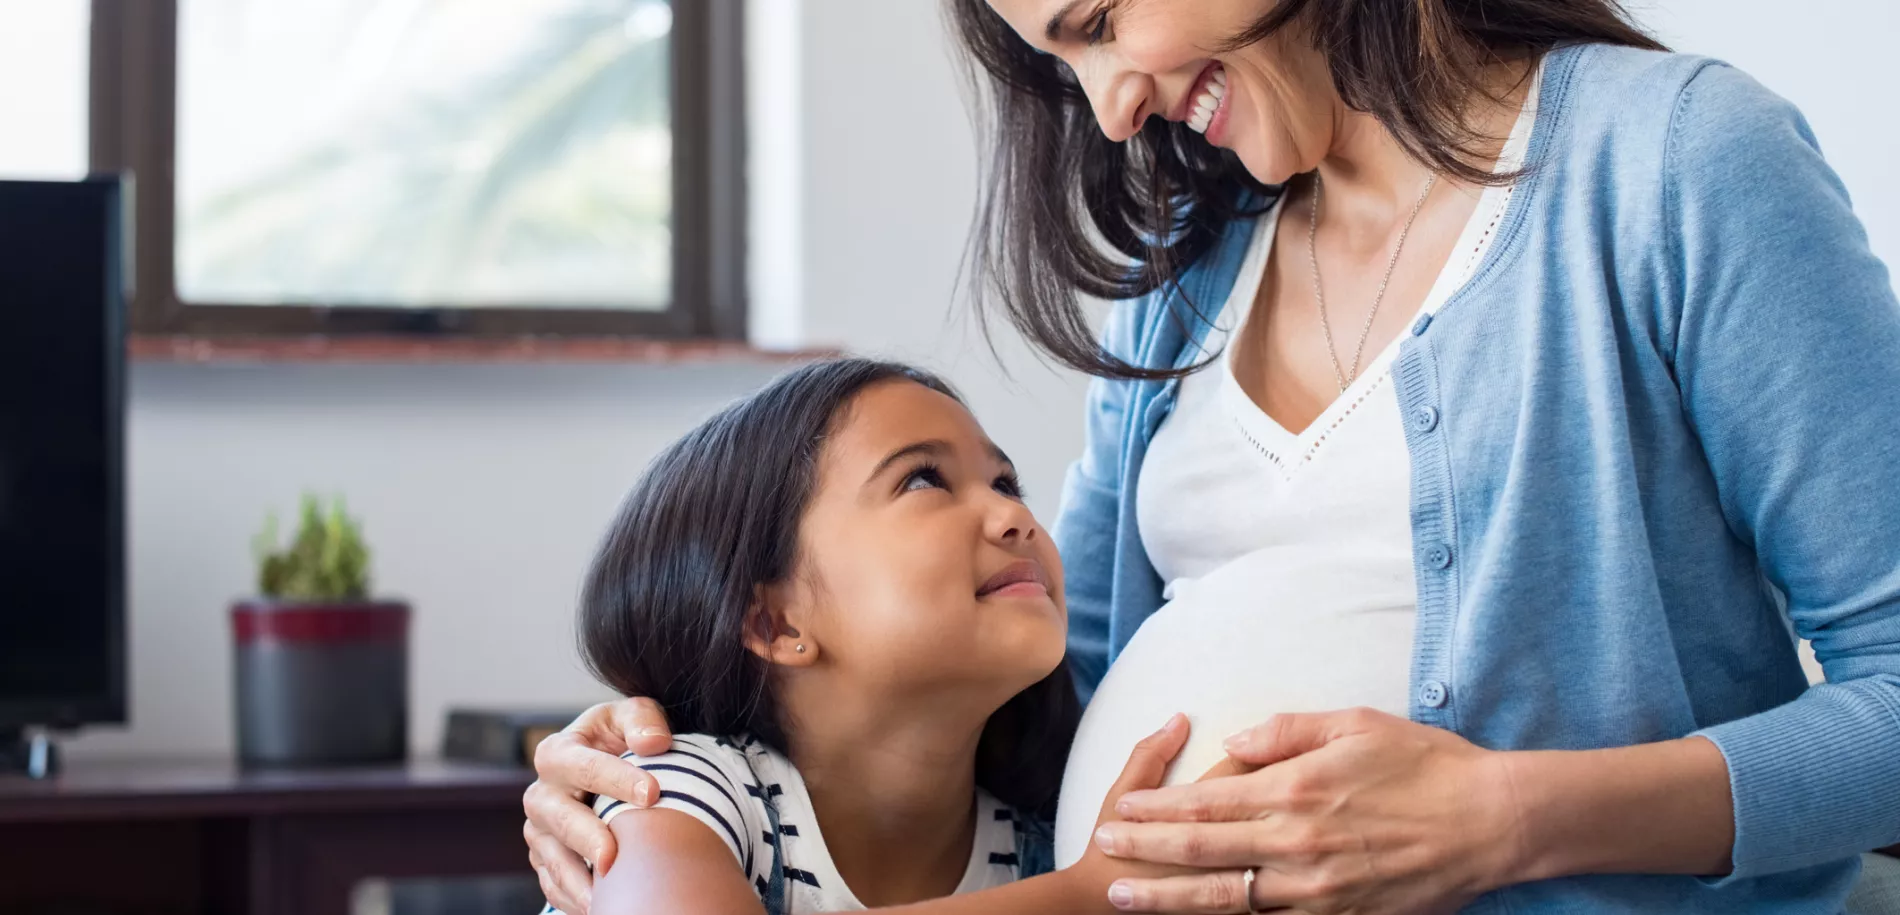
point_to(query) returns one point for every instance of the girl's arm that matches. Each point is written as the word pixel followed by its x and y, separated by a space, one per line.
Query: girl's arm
pixel 684 866
pixel 1081 888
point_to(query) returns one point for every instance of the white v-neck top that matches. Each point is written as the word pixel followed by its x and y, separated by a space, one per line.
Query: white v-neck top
pixel 1286 559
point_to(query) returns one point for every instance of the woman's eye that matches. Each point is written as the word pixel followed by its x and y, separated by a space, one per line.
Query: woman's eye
pixel 924 478
pixel 1098 27
pixel 1010 486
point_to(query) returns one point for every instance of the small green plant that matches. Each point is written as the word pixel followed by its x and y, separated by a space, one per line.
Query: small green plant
pixel 327 560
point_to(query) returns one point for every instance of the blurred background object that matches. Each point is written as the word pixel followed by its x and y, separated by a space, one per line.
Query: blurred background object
pixel 322 668
pixel 62 464
pixel 374 152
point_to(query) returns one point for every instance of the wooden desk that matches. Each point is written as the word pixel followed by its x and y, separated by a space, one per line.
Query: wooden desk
pixel 166 837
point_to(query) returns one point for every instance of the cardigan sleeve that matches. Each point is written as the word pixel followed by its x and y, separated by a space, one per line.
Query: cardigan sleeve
pixel 1085 527
pixel 1788 359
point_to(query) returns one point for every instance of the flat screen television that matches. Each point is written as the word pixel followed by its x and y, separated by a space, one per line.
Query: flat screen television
pixel 62 417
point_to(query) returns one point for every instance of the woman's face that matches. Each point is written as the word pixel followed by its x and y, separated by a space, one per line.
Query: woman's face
pixel 921 571
pixel 1272 102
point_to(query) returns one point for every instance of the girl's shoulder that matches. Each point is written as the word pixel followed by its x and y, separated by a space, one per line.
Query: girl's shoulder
pixel 727 783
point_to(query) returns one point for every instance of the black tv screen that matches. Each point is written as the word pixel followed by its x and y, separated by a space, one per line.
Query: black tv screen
pixel 62 536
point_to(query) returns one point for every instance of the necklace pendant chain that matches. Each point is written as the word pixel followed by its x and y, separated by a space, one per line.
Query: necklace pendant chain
pixel 1340 375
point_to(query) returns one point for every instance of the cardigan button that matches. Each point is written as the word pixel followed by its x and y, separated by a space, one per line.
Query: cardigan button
pixel 1425 419
pixel 1433 694
pixel 1418 328
pixel 1438 556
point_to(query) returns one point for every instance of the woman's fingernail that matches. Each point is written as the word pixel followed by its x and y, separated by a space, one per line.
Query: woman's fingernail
pixel 643 794
pixel 1105 838
pixel 1120 896
pixel 1237 741
pixel 649 732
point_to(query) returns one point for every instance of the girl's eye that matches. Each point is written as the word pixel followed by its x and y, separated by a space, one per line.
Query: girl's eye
pixel 1009 485
pixel 924 478
pixel 1098 26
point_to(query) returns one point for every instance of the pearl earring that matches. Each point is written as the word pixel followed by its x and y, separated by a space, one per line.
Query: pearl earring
pixel 800 648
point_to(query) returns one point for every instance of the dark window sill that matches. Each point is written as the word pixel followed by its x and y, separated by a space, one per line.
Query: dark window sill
pixel 145 348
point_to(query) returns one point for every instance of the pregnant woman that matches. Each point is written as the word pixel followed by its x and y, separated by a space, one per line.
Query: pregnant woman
pixel 1491 399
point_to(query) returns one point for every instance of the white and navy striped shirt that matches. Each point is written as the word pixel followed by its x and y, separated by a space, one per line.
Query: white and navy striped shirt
pixel 753 798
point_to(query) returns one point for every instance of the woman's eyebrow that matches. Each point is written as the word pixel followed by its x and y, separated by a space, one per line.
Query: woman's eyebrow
pixel 1053 30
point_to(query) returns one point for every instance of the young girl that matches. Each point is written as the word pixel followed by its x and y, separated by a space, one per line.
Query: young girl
pixel 836 593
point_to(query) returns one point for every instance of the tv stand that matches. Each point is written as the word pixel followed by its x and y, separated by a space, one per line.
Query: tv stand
pixel 151 836
pixel 34 756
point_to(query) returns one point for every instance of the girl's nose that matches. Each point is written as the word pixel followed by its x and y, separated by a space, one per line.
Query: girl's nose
pixel 1010 522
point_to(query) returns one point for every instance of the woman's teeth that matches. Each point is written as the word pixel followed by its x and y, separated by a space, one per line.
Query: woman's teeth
pixel 1208 101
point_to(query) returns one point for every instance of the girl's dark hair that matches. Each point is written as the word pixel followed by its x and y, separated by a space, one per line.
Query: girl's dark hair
pixel 1067 213
pixel 667 603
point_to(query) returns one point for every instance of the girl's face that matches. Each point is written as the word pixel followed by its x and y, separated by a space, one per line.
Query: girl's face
pixel 922 574
pixel 1272 102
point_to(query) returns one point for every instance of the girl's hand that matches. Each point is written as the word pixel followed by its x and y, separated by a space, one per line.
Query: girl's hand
pixel 1147 765
pixel 1354 812
pixel 562 832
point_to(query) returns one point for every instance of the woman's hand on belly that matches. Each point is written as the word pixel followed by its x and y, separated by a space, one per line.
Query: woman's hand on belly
pixel 1355 811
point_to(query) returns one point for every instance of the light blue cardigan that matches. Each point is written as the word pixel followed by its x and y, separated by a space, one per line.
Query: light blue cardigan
pixel 1661 423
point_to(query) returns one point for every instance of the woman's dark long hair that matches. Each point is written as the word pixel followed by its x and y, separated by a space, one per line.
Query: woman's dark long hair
pixel 667 603
pixel 1067 213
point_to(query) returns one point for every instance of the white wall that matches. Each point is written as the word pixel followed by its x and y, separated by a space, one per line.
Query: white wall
pixel 484 487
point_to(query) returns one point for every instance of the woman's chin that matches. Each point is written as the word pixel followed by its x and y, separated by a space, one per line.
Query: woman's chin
pixel 1268 165
pixel 1269 170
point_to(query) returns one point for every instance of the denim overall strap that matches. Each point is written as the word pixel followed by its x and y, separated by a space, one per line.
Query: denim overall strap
pixel 1035 846
pixel 772 891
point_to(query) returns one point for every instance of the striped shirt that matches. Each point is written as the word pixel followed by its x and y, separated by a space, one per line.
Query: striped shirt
pixel 754 800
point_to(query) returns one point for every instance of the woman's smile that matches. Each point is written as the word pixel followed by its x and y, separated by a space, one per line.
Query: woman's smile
pixel 1204 108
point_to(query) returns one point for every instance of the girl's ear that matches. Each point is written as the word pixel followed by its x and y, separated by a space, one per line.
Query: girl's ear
pixel 770 633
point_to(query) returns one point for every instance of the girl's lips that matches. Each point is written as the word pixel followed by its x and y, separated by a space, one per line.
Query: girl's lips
pixel 1020 589
pixel 1022 578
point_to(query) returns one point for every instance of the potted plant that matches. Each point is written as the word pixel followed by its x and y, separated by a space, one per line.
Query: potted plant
pixel 321 669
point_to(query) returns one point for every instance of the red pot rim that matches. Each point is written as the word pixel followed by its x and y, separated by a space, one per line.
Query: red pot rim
pixel 318 622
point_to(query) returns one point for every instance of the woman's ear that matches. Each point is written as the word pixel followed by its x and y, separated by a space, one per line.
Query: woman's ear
pixel 770 631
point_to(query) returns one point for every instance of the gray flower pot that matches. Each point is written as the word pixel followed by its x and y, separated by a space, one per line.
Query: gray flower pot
pixel 320 683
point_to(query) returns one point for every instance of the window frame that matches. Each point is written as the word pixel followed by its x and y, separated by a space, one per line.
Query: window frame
pixel 133 107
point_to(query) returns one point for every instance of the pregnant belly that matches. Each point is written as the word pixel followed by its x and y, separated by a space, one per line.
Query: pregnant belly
pixel 1231 658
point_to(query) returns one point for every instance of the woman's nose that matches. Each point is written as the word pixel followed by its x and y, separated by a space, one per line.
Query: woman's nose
pixel 1121 98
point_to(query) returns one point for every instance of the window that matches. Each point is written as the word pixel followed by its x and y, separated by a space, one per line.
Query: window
pixel 503 168
pixel 43 45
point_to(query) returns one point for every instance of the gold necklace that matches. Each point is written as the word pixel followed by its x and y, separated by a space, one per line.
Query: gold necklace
pixel 1319 294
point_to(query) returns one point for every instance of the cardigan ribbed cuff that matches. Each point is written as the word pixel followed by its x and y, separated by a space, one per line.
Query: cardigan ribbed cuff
pixel 1816 780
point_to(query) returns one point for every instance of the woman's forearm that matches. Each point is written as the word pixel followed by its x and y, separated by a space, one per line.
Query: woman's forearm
pixel 1661 808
